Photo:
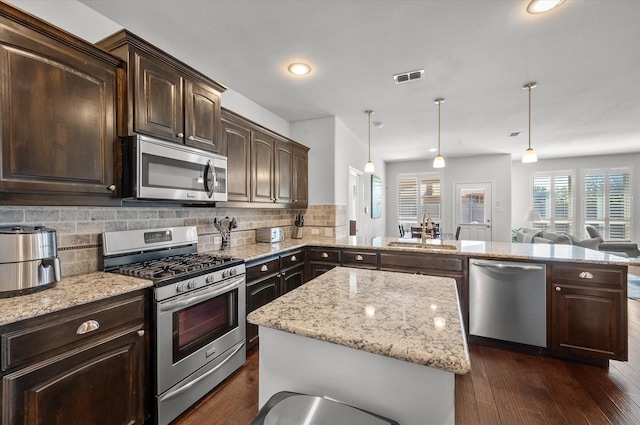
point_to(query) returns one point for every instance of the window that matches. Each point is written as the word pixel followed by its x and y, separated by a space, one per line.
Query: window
pixel 418 193
pixel 553 200
pixel 607 202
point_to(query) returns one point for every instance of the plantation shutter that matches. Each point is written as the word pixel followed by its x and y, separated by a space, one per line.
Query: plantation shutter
pixel 407 199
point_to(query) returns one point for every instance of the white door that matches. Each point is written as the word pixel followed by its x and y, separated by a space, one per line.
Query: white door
pixel 356 201
pixel 473 211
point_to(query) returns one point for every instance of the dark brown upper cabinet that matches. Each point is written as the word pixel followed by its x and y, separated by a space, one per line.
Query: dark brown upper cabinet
pixel 300 177
pixel 236 146
pixel 166 98
pixel 58 97
pixel 263 167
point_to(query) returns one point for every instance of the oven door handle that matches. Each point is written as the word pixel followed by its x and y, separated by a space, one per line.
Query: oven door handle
pixel 178 391
pixel 172 305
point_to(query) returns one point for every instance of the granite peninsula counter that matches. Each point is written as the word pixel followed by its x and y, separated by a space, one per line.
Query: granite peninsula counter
pixel 386 342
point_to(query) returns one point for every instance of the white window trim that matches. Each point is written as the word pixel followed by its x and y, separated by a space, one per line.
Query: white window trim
pixel 606 171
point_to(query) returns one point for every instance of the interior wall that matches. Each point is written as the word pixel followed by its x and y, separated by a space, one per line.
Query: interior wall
pixel 495 169
pixel 352 151
pixel 319 136
pixel 522 174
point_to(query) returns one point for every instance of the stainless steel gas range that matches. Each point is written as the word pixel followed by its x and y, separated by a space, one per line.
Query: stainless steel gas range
pixel 198 311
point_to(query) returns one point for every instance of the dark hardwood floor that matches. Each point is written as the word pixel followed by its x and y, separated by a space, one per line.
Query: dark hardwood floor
pixel 504 388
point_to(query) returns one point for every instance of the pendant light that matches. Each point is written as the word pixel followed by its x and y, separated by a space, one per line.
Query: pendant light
pixel 368 168
pixel 438 161
pixel 529 155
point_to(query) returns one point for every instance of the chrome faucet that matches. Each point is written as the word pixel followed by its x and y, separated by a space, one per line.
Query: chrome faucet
pixel 426 224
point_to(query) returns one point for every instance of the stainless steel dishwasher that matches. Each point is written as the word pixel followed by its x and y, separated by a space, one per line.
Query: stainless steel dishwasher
pixel 507 301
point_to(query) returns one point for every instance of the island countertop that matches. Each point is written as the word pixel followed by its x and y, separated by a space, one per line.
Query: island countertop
pixel 403 316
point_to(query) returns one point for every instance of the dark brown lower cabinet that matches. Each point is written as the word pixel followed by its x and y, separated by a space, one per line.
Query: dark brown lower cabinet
pixel 260 293
pixel 269 278
pixel 93 385
pixel 64 376
pixel 588 310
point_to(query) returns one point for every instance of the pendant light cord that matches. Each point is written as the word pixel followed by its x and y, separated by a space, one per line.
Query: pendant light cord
pixel 439 103
pixel 369 128
pixel 529 116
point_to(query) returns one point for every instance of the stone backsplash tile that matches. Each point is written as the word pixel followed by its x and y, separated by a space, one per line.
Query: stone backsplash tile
pixel 79 229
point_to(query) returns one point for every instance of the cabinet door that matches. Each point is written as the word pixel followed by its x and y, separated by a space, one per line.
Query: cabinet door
pixel 300 178
pixel 588 322
pixel 158 104
pixel 236 145
pixel 283 178
pixel 259 294
pixel 57 118
pixel 292 278
pixel 100 384
pixel 318 269
pixel 262 161
pixel 202 116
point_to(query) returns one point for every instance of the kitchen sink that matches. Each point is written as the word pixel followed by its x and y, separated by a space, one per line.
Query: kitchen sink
pixel 428 247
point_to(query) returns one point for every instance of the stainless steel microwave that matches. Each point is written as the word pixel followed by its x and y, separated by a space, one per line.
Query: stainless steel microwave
pixel 159 170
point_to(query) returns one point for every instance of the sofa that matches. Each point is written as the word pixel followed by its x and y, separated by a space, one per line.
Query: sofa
pixel 526 235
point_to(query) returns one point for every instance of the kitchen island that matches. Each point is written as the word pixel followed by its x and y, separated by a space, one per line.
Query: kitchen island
pixel 390 343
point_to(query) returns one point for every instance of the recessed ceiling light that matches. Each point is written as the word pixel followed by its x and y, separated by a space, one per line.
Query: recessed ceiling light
pixel 541 6
pixel 299 68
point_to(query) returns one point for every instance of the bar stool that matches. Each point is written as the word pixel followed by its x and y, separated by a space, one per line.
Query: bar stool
pixel 289 408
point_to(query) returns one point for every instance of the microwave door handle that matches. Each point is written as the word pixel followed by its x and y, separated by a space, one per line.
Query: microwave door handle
pixel 209 170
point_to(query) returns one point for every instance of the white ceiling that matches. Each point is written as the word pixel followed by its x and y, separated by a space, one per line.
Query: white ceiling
pixel 585 57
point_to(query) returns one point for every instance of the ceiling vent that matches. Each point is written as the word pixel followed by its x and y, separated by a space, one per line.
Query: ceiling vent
pixel 406 77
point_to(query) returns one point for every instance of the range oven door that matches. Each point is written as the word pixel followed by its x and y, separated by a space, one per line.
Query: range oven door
pixel 196 328
pixel 156 169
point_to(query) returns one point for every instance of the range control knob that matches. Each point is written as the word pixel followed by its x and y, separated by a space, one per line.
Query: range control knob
pixel 181 287
pixel 225 274
pixel 233 272
pixel 209 279
pixel 191 284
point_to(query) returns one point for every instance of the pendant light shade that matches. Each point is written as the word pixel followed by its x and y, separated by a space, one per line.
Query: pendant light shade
pixel 529 155
pixel 438 161
pixel 368 167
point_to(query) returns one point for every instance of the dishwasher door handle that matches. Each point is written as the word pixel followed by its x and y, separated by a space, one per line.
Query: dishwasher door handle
pixel 505 266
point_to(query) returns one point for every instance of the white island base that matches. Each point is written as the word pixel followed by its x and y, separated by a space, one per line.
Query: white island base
pixel 406 392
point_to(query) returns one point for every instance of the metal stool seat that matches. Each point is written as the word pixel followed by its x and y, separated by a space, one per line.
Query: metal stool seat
pixel 289 408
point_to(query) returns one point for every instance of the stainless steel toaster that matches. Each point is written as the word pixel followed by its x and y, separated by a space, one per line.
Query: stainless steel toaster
pixel 270 234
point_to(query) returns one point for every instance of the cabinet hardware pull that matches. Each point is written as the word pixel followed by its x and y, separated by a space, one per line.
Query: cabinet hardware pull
pixel 192 138
pixel 359 258
pixel 112 187
pixel 325 255
pixel 180 134
pixel 264 268
pixel 141 332
pixel 558 289
pixel 585 275
pixel 283 273
pixel 88 326
pixel 294 258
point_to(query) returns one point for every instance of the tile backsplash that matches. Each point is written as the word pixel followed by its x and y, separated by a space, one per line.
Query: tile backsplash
pixel 79 229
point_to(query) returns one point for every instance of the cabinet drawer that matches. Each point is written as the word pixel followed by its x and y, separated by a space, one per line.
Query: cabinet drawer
pixel 61 331
pixel 292 259
pixel 360 259
pixel 421 262
pixel 588 276
pixel 328 255
pixel 263 269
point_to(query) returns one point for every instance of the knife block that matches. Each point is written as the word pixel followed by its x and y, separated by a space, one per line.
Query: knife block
pixel 297 232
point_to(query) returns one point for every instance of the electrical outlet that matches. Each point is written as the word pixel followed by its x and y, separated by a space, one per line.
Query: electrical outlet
pixel 217 239
pixel 315 231
pixel 328 231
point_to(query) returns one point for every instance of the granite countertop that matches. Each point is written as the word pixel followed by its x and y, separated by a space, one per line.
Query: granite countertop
pixel 69 292
pixel 408 317
pixel 476 249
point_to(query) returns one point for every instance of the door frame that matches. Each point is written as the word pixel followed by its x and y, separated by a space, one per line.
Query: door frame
pixel 491 185
pixel 359 207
